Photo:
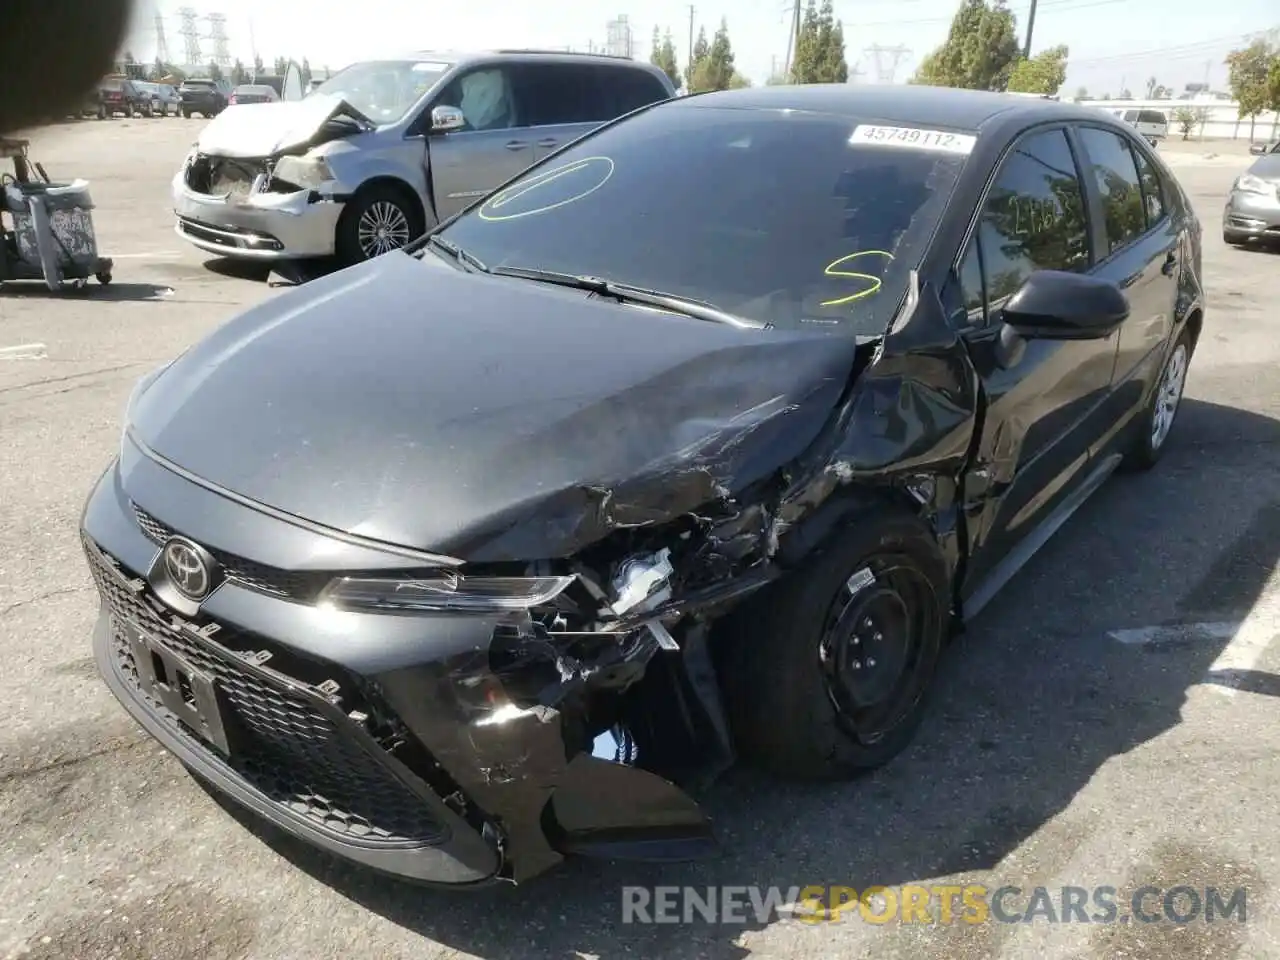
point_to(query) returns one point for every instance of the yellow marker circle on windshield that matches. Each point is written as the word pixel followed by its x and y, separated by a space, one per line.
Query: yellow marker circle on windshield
pixel 833 270
pixel 589 175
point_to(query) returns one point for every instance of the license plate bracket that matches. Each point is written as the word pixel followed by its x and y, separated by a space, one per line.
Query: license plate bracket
pixel 185 690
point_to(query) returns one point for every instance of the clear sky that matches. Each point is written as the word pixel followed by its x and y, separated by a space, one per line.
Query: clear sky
pixel 1113 43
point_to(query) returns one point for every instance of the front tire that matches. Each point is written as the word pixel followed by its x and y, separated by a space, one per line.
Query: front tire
pixel 1162 408
pixel 826 674
pixel 378 220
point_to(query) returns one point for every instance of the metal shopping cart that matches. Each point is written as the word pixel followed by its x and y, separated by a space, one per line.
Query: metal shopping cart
pixel 51 237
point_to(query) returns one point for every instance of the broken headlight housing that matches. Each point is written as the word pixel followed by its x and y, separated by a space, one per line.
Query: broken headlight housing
pixel 443 593
pixel 305 172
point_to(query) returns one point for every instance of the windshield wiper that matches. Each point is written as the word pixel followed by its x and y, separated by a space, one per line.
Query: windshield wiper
pixel 671 302
pixel 463 257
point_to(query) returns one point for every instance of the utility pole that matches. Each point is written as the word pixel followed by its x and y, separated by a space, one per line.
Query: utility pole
pixel 1031 25
pixel 793 41
pixel 688 82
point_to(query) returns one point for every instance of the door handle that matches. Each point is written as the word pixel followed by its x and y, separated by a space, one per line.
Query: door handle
pixel 1170 264
pixel 517 144
pixel 549 142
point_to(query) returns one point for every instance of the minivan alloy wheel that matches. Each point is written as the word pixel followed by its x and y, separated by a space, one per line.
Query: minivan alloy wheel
pixel 383 227
pixel 1169 395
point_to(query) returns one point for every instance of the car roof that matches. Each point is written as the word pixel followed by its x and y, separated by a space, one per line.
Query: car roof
pixel 947 107
pixel 464 57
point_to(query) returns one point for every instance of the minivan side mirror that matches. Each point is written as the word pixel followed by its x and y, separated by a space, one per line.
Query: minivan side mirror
pixel 1055 305
pixel 1257 148
pixel 446 118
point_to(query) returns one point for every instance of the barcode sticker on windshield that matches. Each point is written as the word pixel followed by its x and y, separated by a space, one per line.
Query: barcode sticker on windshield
pixel 912 138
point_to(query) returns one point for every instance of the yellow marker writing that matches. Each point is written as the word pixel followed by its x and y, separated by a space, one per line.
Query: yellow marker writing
pixel 833 270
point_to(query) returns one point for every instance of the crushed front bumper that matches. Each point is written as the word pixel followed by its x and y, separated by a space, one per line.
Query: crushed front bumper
pixel 365 735
pixel 258 226
pixel 1251 216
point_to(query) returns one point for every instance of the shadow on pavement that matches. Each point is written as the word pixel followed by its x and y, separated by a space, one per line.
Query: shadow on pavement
pixel 113 292
pixel 1033 699
pixel 283 273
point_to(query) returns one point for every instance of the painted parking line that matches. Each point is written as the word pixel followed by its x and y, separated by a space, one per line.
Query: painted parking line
pixel 1246 641
pixel 25 351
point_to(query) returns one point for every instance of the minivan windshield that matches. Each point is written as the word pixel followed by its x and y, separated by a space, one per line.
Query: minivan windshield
pixel 778 217
pixel 384 90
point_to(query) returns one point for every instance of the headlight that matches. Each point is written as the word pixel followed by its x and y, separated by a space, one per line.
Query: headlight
pixel 306 172
pixel 444 593
pixel 1248 183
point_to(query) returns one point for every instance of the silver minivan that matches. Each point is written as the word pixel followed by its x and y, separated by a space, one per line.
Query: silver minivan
pixel 386 149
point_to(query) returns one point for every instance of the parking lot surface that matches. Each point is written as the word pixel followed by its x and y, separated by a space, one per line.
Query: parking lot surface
pixel 1112 719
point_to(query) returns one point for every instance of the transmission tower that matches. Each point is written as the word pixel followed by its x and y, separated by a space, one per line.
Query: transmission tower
pixel 162 43
pixel 190 36
pixel 218 37
pixel 887 60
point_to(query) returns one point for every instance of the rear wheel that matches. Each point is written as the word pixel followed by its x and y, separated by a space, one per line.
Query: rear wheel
pixel 1162 409
pixel 825 675
pixel 378 220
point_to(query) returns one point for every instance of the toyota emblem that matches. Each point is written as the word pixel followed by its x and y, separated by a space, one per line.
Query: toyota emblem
pixel 186 569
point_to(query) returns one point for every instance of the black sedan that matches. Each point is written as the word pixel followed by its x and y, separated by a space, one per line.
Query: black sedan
pixel 697 440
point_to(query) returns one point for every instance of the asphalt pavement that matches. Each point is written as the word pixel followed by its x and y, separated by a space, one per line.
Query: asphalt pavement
pixel 1111 719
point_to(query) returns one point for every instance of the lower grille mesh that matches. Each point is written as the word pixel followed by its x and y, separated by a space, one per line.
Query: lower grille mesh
pixel 286 748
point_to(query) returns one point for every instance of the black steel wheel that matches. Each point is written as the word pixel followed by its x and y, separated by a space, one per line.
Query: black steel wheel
pixel 826 675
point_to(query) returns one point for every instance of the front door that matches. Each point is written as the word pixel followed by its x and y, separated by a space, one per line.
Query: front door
pixel 494 146
pixel 1047 402
pixel 1139 250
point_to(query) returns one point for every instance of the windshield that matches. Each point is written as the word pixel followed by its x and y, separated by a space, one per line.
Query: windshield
pixel 384 90
pixel 777 217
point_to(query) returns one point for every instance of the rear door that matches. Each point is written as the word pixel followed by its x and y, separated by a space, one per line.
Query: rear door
pixel 1139 250
pixel 495 145
pixel 1047 404
pixel 562 101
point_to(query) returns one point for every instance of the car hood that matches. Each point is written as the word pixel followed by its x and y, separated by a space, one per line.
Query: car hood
pixel 486 418
pixel 1267 167
pixel 263 129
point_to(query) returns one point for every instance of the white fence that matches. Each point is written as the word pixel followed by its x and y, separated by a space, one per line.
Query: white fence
pixel 1221 118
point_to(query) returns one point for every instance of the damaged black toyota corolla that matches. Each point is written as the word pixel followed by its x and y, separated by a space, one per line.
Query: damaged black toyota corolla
pixel 697 440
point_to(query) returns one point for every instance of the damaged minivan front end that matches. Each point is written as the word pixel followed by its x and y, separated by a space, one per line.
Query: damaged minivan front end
pixel 266 181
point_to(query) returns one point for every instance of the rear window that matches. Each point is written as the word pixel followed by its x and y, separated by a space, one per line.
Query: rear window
pixel 1151 116
pixel 112 84
pixel 197 84
pixel 778 217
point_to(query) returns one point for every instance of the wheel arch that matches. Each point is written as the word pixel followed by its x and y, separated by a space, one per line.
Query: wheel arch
pixel 398 184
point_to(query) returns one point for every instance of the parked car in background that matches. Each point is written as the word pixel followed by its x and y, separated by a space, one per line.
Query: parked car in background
pixel 122 95
pixel 1153 125
pixel 205 97
pixel 1252 213
pixel 388 148
pixel 253 93
pixel 162 99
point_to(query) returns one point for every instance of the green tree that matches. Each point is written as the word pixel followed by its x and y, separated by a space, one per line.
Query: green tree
pixel 239 74
pixel 1185 118
pixel 215 71
pixel 820 54
pixel 1152 86
pixel 980 50
pixel 1082 93
pixel 304 73
pixel 1125 94
pixel 738 81
pixel 1044 73
pixel 1249 74
pixel 258 68
pixel 716 70
pixel 1273 85
pixel 701 50
pixel 281 66
pixel 664 56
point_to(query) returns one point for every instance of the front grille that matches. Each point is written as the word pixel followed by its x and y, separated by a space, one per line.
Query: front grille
pixel 286 747
pixel 302 586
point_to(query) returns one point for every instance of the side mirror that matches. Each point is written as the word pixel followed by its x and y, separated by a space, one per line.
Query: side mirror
pixel 1054 305
pixel 445 119
pixel 1257 148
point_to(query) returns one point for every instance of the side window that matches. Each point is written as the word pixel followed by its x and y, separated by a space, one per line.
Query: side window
pixel 484 97
pixel 972 294
pixel 1033 218
pixel 1116 175
pixel 1152 188
pixel 555 93
pixel 632 89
